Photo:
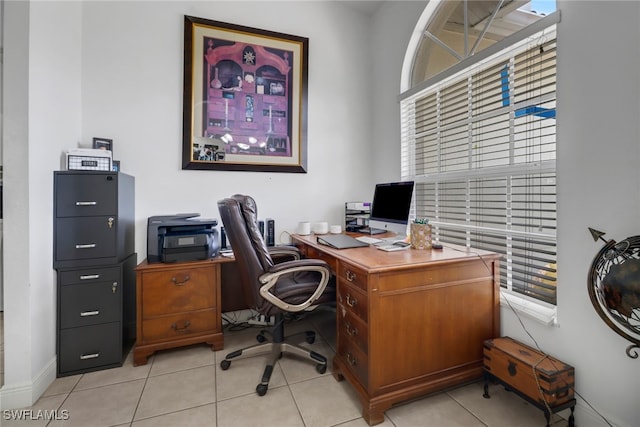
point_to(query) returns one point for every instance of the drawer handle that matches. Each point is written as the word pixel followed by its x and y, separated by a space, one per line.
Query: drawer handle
pixel 182 329
pixel 89 277
pixel 89 313
pixel 114 287
pixel 351 331
pixel 351 360
pixel 182 282
pixel 86 203
pixel 351 276
pixel 86 246
pixel 89 356
pixel 351 302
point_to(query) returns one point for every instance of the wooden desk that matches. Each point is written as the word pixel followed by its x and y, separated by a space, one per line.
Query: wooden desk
pixel 410 322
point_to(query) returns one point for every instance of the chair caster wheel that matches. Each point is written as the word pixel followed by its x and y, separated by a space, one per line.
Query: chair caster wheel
pixel 261 389
pixel 224 365
pixel 321 368
pixel 311 337
pixel 261 338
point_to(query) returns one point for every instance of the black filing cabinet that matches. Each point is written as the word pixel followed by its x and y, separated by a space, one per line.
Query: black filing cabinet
pixel 93 253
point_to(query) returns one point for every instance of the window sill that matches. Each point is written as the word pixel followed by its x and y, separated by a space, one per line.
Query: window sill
pixel 543 313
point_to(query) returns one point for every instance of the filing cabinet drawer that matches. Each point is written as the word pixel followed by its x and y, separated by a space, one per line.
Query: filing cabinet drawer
pixel 85 194
pixel 353 300
pixel 90 275
pixel 90 304
pixel 353 275
pixel 90 347
pixel 179 325
pixel 178 290
pixel 84 238
pixel 355 360
pixel 352 328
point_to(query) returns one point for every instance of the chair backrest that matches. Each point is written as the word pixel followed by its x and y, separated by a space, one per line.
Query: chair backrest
pixel 239 215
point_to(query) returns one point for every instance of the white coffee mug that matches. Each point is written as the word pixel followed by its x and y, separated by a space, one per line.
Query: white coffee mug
pixel 304 228
pixel 320 227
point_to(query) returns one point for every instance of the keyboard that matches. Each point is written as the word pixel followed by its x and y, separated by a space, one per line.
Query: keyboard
pixel 368 240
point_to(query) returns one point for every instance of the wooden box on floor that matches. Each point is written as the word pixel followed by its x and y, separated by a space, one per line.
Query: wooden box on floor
pixel 542 380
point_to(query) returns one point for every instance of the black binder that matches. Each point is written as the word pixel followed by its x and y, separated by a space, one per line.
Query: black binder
pixel 340 241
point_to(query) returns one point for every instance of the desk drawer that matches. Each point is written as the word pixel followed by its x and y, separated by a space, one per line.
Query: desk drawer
pixel 352 275
pixel 353 300
pixel 178 290
pixel 352 328
pixel 355 361
pixel 179 325
pixel 315 254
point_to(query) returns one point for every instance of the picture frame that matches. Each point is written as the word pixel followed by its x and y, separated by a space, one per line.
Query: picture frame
pixel 103 144
pixel 244 98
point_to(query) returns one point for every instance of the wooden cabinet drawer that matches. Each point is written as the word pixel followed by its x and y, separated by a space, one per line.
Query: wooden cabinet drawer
pixel 179 325
pixel 90 347
pixel 352 275
pixel 352 328
pixel 90 304
pixel 178 290
pixel 354 360
pixel 353 300
pixel 86 194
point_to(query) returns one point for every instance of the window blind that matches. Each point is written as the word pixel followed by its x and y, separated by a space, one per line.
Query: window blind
pixel 481 146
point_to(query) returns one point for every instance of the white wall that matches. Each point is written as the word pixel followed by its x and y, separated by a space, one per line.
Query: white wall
pixel 131 83
pixel 42 116
pixel 132 92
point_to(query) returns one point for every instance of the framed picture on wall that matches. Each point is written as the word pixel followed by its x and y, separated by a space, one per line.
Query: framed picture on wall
pixel 244 99
pixel 103 144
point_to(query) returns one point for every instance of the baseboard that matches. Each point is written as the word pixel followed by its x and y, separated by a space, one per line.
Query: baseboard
pixel 26 394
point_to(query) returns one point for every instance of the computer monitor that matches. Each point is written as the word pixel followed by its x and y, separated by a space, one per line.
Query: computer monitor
pixel 390 207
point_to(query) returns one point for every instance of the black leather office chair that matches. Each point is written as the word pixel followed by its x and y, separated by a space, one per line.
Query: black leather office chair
pixel 273 289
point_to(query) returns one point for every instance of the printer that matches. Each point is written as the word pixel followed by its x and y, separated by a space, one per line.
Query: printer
pixel 181 237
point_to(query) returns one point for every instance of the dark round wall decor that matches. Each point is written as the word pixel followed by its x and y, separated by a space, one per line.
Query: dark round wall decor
pixel 614 287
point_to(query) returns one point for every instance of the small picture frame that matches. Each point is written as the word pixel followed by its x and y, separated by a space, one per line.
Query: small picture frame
pixel 115 165
pixel 103 144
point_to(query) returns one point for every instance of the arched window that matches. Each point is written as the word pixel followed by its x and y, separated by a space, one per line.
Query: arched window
pixel 479 134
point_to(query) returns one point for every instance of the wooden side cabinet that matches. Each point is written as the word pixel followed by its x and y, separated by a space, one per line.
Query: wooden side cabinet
pixel 178 304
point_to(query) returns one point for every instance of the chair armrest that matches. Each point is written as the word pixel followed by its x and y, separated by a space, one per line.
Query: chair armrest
pixel 284 253
pixel 271 278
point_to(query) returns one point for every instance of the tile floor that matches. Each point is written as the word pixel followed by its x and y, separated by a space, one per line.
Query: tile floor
pixel 186 387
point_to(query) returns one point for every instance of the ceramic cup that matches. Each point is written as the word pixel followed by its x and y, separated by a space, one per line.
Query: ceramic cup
pixel 304 228
pixel 335 229
pixel 320 227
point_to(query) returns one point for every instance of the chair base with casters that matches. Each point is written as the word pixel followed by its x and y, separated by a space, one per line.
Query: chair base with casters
pixel 277 346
